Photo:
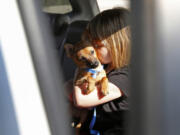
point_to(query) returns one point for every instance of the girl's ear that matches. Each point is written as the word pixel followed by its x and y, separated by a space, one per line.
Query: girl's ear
pixel 69 49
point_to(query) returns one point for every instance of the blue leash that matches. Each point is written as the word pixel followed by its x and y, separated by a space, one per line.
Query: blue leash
pixel 93 132
pixel 94 75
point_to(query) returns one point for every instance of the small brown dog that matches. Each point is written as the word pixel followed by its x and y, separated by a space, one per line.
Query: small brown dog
pixel 89 70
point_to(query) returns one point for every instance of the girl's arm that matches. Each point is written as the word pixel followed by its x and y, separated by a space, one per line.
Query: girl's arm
pixel 93 99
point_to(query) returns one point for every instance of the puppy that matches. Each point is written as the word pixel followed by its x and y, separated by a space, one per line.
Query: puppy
pixel 89 70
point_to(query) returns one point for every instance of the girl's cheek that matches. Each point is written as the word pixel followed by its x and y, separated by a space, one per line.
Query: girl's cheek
pixel 103 55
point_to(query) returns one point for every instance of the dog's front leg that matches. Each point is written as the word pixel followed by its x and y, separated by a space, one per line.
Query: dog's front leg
pixel 79 81
pixel 91 85
pixel 104 86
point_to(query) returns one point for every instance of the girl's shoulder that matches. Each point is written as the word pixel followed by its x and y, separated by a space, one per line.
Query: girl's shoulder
pixel 120 71
pixel 120 78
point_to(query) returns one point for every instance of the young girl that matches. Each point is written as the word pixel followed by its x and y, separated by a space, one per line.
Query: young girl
pixel 109 32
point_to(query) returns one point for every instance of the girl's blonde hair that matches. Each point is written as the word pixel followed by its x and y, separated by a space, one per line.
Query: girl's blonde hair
pixel 112 28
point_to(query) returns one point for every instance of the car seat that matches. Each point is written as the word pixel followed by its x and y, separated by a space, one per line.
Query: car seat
pixel 68 28
pixel 73 35
pixel 66 32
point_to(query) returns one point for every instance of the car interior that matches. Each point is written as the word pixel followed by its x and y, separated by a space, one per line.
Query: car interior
pixel 68 27
pixel 33 61
pixel 47 31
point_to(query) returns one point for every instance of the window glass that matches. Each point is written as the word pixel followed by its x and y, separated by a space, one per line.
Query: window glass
pixel 57 6
pixel 107 4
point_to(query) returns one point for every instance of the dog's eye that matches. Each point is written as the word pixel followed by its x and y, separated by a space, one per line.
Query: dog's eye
pixel 92 52
pixel 82 58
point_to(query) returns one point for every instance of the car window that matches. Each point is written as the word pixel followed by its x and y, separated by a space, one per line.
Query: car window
pixel 57 6
pixel 107 4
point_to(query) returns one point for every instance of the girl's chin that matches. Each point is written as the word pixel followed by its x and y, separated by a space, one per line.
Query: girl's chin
pixel 105 62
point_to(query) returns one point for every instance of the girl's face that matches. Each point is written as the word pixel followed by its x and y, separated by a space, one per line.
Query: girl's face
pixel 103 54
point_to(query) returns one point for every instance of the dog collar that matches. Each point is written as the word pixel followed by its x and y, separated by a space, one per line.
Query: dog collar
pixel 94 71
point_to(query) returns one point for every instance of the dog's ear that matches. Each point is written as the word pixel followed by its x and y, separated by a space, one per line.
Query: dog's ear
pixel 69 49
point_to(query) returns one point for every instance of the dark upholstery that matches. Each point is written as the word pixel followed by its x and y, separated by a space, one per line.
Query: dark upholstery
pixel 66 32
pixel 73 35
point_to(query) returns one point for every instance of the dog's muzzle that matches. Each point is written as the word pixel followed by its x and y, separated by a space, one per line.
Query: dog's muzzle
pixel 92 64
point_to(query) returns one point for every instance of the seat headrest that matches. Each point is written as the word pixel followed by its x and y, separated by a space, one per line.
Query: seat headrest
pixel 75 31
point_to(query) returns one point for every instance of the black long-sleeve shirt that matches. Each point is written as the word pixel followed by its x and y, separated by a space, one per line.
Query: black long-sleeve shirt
pixel 112 116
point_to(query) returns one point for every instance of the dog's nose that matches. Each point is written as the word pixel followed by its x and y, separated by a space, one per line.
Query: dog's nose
pixel 94 64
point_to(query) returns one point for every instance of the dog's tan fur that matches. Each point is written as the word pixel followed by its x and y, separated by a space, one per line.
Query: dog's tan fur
pixel 81 53
pixel 84 55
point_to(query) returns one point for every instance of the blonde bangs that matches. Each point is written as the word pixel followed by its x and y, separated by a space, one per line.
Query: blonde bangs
pixel 119 46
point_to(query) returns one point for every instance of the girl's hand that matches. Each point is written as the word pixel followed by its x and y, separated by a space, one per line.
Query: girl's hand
pixel 84 86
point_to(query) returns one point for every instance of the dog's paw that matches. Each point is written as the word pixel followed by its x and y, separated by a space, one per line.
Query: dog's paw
pixel 104 86
pixel 76 125
pixel 86 91
pixel 73 124
pixel 105 92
